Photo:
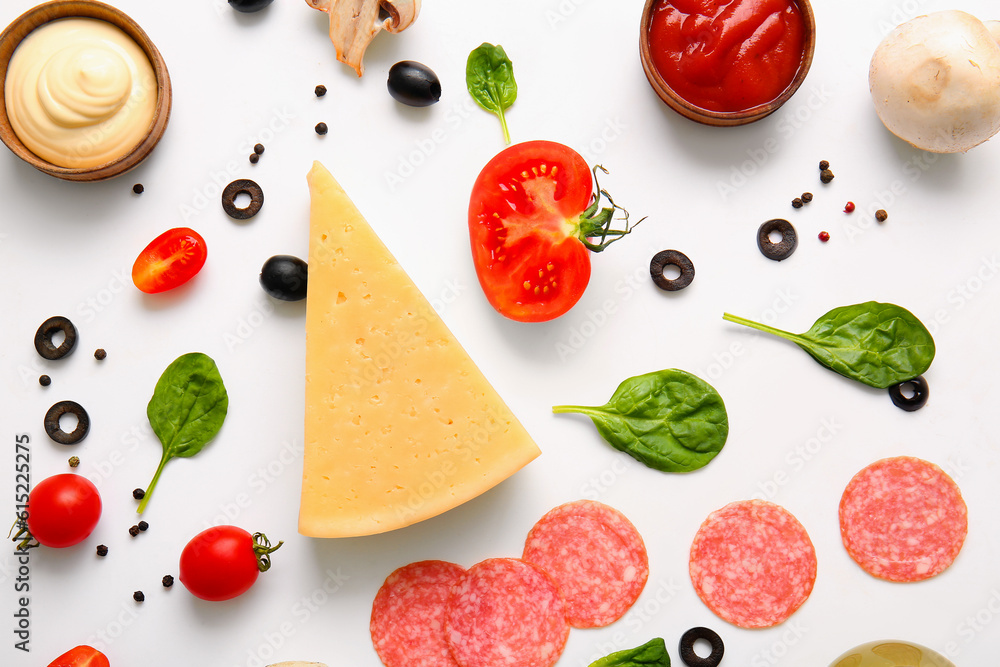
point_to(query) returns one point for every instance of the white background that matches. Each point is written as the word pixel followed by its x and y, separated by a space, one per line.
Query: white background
pixel 799 432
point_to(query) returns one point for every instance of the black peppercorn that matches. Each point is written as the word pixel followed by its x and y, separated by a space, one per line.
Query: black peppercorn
pixel 826 175
pixel 137 188
pixel 138 494
pixel 100 354
pixel 138 596
pixel 258 149
pixel 44 380
pixel 102 550
pixel 254 158
pixel 824 165
pixel 321 129
pixel 807 197
pixel 133 531
pixel 796 203
pixel 143 526
pixel 320 90
pixel 881 215
pixel 168 581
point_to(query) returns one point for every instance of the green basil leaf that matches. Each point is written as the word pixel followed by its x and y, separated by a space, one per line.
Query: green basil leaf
pixel 669 420
pixel 489 76
pixel 187 409
pixel 878 344
pixel 653 652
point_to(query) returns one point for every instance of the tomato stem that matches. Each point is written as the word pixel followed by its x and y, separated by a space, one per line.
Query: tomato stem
pixel 23 537
pixel 262 549
pixel 595 222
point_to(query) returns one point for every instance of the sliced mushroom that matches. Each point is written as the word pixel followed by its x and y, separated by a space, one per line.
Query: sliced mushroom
pixel 354 24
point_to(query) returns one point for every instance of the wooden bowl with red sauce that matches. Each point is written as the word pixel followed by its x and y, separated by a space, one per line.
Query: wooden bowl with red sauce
pixel 700 80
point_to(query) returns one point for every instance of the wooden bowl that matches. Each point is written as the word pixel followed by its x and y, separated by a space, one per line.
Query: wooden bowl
pixel 721 118
pixel 58 9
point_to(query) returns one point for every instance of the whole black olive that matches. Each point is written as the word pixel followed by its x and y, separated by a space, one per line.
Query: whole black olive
pixel 414 84
pixel 284 277
pixel 248 6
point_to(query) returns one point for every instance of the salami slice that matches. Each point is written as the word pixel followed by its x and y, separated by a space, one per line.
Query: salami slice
pixel 752 563
pixel 596 558
pixel 903 519
pixel 505 611
pixel 408 615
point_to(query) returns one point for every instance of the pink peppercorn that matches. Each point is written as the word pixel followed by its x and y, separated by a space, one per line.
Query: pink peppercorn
pixel 849 208
pixel 824 236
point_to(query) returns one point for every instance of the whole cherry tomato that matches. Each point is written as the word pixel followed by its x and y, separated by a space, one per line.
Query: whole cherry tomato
pixel 63 510
pixel 170 260
pixel 533 221
pixel 81 656
pixel 222 562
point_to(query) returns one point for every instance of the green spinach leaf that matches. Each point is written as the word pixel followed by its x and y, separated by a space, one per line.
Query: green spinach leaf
pixel 669 420
pixel 489 75
pixel 186 411
pixel 878 344
pixel 653 652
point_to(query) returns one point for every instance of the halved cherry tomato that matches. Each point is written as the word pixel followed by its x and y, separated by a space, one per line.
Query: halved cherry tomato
pixel 170 260
pixel 81 656
pixel 63 510
pixel 222 562
pixel 532 218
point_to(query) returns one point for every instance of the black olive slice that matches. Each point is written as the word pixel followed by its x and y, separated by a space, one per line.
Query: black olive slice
pixel 784 248
pixel 43 338
pixel 243 186
pixel 915 402
pixel 55 431
pixel 665 258
pixel 692 659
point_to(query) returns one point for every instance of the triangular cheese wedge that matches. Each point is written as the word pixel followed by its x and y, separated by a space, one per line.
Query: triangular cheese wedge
pixel 400 424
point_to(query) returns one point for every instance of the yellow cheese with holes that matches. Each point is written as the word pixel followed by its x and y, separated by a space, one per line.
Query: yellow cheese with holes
pixel 400 424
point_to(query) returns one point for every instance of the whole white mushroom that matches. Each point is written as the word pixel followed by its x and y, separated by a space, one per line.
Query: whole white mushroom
pixel 935 81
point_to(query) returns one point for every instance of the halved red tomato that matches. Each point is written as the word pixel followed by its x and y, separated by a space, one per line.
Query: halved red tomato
pixel 169 261
pixel 81 656
pixel 533 221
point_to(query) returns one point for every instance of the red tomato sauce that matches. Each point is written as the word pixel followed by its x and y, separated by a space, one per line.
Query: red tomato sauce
pixel 727 55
